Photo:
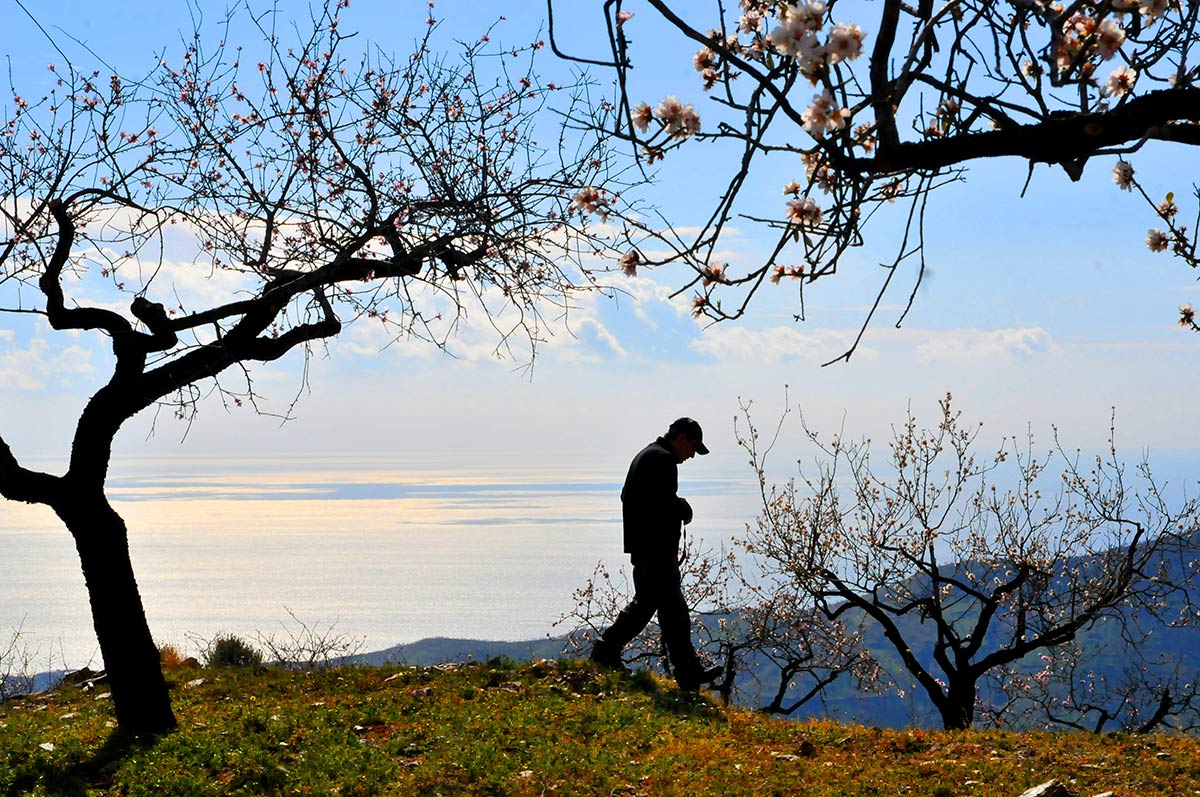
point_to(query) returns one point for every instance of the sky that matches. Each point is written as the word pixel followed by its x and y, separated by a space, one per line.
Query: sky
pixel 1037 311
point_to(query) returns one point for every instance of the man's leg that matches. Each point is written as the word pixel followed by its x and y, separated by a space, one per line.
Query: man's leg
pixel 629 623
pixel 676 624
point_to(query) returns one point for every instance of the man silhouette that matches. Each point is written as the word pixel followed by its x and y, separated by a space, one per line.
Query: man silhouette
pixel 651 514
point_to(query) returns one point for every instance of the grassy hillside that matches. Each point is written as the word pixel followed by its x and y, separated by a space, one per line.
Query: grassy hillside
pixel 561 728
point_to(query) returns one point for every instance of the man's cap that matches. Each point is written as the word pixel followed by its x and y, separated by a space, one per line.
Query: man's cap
pixel 691 430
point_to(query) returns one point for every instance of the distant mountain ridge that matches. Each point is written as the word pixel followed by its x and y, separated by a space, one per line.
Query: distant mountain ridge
pixel 440 650
pixel 1104 650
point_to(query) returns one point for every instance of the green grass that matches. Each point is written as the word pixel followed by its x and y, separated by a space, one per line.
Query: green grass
pixel 546 729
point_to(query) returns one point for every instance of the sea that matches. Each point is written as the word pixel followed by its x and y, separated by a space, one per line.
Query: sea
pixel 383 549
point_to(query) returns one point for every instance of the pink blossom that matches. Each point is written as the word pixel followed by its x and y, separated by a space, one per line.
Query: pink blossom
pixel 629 263
pixel 1157 241
pixel 713 274
pixel 590 200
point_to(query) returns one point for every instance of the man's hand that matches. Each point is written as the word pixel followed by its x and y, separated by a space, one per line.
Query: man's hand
pixel 685 510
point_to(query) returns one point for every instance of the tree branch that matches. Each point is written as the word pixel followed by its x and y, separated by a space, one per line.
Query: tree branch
pixel 21 484
pixel 1059 139
pixel 56 311
pixel 267 349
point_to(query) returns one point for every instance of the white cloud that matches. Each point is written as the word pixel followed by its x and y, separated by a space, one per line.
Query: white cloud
pixel 733 344
pixel 978 344
pixel 649 296
pixel 592 342
pixel 773 345
pixel 30 368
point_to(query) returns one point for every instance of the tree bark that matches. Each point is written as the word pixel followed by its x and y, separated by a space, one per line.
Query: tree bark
pixel 131 658
pixel 958 710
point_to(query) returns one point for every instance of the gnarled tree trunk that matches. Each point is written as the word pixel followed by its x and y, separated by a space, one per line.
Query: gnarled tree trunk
pixel 131 658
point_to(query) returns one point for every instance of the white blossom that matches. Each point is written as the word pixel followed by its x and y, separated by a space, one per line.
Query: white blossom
pixel 1123 175
pixel 804 212
pixel 845 43
pixel 590 199
pixel 1120 81
pixel 677 119
pixel 824 115
pixel 641 116
pixel 796 36
pixel 1153 9
pixel 751 22
pixel 1110 37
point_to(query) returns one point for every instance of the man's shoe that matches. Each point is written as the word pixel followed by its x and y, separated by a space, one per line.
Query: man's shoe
pixel 691 681
pixel 605 656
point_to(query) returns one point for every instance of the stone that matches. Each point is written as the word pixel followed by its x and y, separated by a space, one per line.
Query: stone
pixel 79 677
pixel 1051 788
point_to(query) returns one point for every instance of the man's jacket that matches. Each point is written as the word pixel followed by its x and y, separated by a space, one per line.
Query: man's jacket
pixel 650 509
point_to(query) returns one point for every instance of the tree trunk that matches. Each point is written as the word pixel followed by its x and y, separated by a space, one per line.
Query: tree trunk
pixel 131 658
pixel 958 709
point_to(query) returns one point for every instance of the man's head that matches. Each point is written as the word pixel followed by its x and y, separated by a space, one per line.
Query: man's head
pixel 686 439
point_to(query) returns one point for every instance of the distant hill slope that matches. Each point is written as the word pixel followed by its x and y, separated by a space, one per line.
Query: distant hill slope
pixel 1105 652
pixel 439 650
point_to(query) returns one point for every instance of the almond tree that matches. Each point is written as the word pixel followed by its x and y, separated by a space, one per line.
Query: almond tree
pixel 757 631
pixel 961 579
pixel 1075 689
pixel 316 186
pixel 860 106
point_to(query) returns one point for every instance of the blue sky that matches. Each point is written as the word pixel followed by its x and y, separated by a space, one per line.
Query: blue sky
pixel 1047 309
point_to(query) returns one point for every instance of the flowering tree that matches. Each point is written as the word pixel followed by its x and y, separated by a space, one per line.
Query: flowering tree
pixel 859 105
pixel 768 640
pixel 963 580
pixel 1079 688
pixel 305 188
pixel 705 577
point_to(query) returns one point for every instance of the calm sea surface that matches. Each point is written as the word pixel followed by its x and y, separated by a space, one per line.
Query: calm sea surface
pixel 390 551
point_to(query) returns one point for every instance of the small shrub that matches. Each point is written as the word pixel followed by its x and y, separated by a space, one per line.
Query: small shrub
pixel 231 651
pixel 16 667
pixel 170 657
pixel 305 646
